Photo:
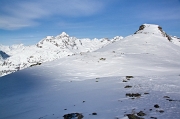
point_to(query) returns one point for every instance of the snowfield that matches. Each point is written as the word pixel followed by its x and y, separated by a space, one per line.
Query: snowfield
pixel 48 49
pixel 137 77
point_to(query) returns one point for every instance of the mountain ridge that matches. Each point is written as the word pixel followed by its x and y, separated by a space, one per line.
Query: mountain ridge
pixel 148 39
pixel 151 28
pixel 48 49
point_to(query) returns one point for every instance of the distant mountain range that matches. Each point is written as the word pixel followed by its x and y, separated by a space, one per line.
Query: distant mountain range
pixel 17 57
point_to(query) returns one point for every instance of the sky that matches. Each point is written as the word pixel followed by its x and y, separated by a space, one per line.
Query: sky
pixel 29 21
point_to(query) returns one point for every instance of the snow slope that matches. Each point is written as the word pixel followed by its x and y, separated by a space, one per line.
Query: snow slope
pixel 150 54
pixel 176 40
pixel 48 49
pixel 138 76
pixel 28 95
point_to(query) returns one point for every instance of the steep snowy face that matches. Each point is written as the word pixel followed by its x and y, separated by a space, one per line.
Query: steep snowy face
pixel 152 29
pixel 3 55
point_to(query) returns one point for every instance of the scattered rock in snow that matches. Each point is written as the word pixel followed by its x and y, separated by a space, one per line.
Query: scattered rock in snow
pixel 133 116
pixel 94 113
pixel 38 63
pixel 128 86
pixel 141 113
pixel 129 77
pixel 146 93
pixel 172 100
pixel 161 111
pixel 73 116
pixel 124 81
pixel 153 117
pixel 166 97
pixel 102 59
pixel 133 94
pixel 156 106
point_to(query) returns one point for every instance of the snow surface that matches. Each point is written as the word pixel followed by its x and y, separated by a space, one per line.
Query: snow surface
pixel 176 41
pixel 94 82
pixel 48 49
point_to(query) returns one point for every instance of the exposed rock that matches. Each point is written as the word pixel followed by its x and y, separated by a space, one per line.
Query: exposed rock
pixel 165 34
pixel 73 116
pixel 156 106
pixel 94 113
pixel 133 94
pixel 102 59
pixel 124 81
pixel 141 113
pixel 128 77
pixel 133 116
pixel 128 86
pixel 146 93
pixel 166 97
pixel 140 28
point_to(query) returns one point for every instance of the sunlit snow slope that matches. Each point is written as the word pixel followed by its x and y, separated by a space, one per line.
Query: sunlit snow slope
pixel 148 52
pixel 48 49
pixel 137 76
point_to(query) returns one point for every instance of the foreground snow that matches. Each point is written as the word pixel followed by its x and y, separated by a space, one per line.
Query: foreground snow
pixel 41 97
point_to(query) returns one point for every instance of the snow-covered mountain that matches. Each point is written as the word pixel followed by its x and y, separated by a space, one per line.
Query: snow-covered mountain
pixel 48 49
pixel 135 77
pixel 176 40
pixel 146 52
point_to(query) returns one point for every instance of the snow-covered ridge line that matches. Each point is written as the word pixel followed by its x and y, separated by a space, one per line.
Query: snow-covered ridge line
pixel 48 49
pixel 63 45
pixel 152 29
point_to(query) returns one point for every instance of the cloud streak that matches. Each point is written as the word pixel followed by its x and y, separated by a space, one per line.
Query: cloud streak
pixel 26 14
pixel 171 14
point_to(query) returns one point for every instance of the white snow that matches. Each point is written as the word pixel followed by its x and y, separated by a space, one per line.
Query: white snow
pixel 48 49
pixel 176 41
pixel 150 29
pixel 94 82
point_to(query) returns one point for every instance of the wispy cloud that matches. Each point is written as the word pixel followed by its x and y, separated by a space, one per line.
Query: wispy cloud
pixel 162 15
pixel 25 14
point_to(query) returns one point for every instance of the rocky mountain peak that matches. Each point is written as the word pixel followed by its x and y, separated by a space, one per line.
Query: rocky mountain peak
pixel 62 35
pixel 152 29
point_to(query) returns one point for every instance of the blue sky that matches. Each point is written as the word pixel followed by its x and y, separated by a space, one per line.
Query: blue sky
pixel 29 21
